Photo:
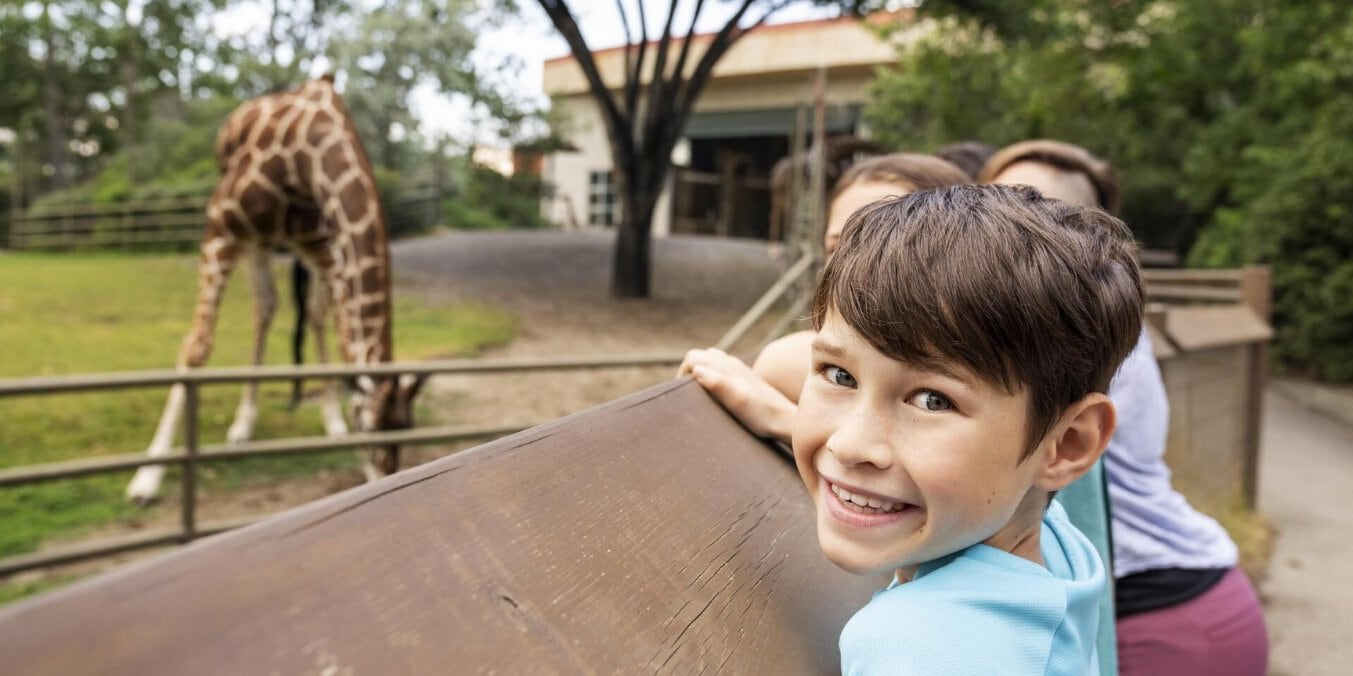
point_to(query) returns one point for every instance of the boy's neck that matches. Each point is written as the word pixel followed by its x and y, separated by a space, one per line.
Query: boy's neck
pixel 1021 535
pixel 1025 545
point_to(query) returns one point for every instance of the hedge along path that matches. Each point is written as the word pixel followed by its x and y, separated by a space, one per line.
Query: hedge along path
pixel 651 534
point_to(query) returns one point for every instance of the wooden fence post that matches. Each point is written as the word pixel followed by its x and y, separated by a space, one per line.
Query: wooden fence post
pixel 1256 291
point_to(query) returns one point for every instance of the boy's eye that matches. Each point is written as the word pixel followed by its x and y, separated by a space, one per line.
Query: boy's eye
pixel 930 400
pixel 839 376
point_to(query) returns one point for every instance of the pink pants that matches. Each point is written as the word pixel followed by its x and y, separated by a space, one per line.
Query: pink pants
pixel 1220 632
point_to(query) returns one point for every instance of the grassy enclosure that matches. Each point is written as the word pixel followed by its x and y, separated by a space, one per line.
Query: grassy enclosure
pixel 104 312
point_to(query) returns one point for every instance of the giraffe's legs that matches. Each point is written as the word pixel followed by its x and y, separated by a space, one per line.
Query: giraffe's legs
pixel 265 304
pixel 218 254
pixel 317 310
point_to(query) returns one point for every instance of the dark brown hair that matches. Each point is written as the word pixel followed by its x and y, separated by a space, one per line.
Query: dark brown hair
pixel 1062 155
pixel 970 156
pixel 921 172
pixel 1026 292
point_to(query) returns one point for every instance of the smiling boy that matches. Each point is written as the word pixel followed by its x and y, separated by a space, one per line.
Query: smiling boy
pixel 966 338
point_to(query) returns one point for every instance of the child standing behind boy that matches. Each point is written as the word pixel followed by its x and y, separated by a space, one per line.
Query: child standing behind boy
pixel 966 338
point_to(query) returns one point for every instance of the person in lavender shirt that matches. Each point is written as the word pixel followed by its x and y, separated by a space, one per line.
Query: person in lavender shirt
pixel 1183 606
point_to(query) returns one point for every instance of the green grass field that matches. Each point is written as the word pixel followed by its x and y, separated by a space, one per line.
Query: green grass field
pixel 103 312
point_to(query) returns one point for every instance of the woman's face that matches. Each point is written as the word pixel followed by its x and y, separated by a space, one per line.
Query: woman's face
pixel 855 196
pixel 1071 187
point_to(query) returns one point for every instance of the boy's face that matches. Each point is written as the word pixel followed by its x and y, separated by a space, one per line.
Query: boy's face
pixel 935 456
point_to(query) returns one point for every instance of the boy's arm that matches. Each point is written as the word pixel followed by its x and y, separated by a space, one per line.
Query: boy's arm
pixel 755 403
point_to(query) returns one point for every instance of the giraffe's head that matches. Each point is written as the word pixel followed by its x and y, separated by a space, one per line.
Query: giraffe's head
pixel 382 404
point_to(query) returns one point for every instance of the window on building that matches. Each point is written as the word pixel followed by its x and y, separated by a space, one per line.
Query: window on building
pixel 601 199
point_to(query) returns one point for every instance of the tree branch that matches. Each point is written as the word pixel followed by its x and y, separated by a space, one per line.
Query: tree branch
pixel 616 124
pixel 657 84
pixel 631 80
pixel 672 85
pixel 680 70
pixel 721 43
pixel 632 95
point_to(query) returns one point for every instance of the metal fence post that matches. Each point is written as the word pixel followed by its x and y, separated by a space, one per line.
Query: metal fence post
pixel 190 462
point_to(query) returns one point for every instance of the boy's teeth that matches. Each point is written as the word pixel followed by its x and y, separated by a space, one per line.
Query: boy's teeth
pixel 861 501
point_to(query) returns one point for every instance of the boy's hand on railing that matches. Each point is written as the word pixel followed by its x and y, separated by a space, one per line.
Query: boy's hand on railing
pixel 758 406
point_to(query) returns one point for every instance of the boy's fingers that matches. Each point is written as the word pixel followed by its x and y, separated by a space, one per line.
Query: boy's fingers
pixel 710 357
pixel 692 356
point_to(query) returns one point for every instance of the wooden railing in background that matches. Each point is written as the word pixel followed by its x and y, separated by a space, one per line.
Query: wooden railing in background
pixel 1211 332
pixel 177 221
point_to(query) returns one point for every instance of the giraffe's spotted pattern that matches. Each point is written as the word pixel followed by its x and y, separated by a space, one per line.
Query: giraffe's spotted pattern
pixel 294 174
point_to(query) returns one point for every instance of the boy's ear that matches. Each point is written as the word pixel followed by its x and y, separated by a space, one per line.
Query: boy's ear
pixel 1077 441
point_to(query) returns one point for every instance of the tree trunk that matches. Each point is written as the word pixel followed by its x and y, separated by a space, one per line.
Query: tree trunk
pixel 51 99
pixel 130 129
pixel 630 273
pixel 639 183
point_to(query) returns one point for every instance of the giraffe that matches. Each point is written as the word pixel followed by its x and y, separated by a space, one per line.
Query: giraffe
pixel 294 174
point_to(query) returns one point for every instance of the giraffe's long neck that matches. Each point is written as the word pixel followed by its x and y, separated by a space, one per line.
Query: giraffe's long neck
pixel 344 190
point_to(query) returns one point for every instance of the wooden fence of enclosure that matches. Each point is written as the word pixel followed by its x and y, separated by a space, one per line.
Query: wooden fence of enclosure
pixel 176 222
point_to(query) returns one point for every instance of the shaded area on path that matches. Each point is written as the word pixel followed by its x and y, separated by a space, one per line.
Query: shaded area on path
pixel 1305 487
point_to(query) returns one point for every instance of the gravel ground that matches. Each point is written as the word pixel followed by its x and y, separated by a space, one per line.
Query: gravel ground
pixel 557 286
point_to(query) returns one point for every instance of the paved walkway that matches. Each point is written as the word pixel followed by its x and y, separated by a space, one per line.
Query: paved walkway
pixel 1306 490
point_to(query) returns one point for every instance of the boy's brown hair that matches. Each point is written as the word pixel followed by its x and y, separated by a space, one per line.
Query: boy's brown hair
pixel 1064 156
pixel 1026 292
pixel 921 172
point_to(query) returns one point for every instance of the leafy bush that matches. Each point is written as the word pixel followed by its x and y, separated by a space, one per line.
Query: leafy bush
pixel 1286 158
pixel 1230 122
pixel 487 200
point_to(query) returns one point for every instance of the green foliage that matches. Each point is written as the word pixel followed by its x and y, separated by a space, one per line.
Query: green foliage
pixel 487 200
pixel 1280 164
pixel 176 158
pixel 1230 122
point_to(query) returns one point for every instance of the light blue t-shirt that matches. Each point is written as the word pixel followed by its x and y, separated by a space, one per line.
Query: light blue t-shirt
pixel 1154 527
pixel 983 611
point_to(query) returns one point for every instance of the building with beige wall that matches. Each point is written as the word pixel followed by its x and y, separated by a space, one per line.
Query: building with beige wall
pixel 742 124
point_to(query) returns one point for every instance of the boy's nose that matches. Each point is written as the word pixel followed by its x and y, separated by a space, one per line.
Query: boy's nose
pixel 861 439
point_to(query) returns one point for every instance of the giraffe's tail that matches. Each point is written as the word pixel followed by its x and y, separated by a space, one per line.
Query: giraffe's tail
pixel 300 292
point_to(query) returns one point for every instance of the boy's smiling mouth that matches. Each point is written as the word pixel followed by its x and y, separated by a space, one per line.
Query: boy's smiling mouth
pixel 858 508
pixel 863 502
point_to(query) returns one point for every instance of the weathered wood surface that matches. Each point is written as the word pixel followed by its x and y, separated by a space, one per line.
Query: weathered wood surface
pixel 648 535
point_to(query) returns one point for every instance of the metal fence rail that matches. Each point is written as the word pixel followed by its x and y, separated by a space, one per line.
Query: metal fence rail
pixel 191 454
